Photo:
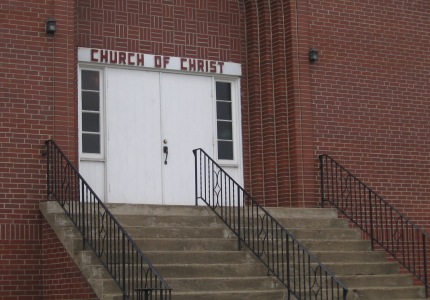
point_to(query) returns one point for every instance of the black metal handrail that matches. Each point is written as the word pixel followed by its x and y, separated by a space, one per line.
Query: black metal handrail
pixel 300 271
pixel 383 223
pixel 128 266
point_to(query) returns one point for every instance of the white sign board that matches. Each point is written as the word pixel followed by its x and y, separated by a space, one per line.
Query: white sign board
pixel 142 60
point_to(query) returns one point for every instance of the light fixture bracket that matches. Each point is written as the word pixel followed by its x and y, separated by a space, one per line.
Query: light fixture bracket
pixel 51 26
pixel 313 55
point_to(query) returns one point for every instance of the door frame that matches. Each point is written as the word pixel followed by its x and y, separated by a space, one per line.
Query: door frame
pixel 235 166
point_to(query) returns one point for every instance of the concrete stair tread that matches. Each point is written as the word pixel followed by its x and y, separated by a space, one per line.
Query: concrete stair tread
pixel 271 294
pixel 179 233
pixel 204 265
pixel 297 212
pixel 351 256
pixel 157 210
pixel 194 252
pixel 363 263
pixel 350 252
pixel 394 292
pixel 226 283
pixel 188 239
pixel 367 281
pixel 230 292
pixel 220 278
pixel 319 229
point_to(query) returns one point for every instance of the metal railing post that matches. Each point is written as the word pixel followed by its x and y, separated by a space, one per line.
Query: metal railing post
pixel 83 215
pixel 425 265
pixel 371 218
pixel 123 261
pixel 238 218
pixel 195 174
pixel 322 180
pixel 48 181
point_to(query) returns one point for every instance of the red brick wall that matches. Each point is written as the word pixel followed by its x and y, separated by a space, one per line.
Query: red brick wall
pixel 20 255
pixel 371 90
pixel 62 279
pixel 36 103
pixel 185 28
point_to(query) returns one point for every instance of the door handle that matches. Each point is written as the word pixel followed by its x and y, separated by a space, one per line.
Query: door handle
pixel 166 151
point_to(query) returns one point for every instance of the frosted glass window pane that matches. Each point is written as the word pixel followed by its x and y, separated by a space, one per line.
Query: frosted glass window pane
pixel 223 110
pixel 225 130
pixel 223 91
pixel 90 80
pixel 90 101
pixel 90 122
pixel 90 143
pixel 225 150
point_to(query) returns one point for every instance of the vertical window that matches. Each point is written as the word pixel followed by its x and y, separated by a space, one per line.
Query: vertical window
pixel 91 112
pixel 224 112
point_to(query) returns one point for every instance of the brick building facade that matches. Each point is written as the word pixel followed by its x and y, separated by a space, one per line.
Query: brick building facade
pixel 365 102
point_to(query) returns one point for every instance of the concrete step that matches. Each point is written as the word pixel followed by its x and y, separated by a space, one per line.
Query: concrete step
pixel 244 256
pixel 211 270
pixel 311 223
pixel 330 245
pixel 350 256
pixel 119 209
pixel 230 244
pixel 186 257
pixel 211 220
pixel 169 221
pixel 220 232
pixel 224 283
pixel 293 212
pixel 199 257
pixel 325 233
pixel 362 268
pixel 198 244
pixel 204 270
pixel 232 295
pixel 178 210
pixel 179 232
pixel 255 268
pixel 387 293
pixel 387 280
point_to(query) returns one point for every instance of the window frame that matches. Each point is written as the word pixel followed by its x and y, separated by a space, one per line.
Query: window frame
pixel 236 121
pixel 92 156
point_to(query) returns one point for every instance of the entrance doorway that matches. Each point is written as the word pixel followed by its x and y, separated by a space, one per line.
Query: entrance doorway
pixel 152 122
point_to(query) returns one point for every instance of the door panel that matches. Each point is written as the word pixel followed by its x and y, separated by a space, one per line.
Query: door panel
pixel 187 123
pixel 94 174
pixel 145 112
pixel 133 144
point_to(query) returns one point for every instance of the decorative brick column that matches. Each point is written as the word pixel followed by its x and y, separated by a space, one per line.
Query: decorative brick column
pixel 280 165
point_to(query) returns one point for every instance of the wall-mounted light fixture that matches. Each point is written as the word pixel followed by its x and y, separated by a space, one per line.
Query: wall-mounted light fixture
pixel 51 26
pixel 313 54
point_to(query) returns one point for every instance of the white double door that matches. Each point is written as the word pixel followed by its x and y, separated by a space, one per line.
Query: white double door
pixel 154 120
